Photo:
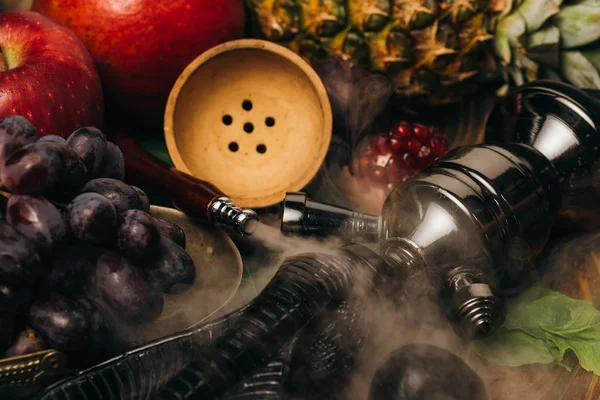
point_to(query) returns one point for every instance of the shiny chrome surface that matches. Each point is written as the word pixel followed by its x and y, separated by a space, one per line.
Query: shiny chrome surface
pixel 223 213
pixel 561 122
pixel 470 209
pixel 304 216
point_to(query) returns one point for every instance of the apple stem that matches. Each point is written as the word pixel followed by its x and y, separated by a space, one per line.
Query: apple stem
pixel 3 64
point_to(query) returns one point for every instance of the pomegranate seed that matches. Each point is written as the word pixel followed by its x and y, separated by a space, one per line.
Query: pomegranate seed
pixel 410 161
pixel 402 130
pixel 421 131
pixel 425 157
pixel 439 146
pixel 414 146
pixel 378 173
pixel 395 175
pixel 383 149
pixel 424 152
pixel 382 144
pixel 397 144
pixel 433 132
pixel 365 161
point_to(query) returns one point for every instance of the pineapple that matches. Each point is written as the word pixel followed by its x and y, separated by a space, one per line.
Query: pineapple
pixel 435 51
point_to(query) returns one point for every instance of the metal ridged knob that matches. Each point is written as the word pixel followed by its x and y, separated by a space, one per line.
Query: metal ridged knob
pixel 223 213
pixel 477 310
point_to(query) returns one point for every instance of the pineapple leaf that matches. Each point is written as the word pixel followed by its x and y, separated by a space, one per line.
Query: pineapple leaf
pixel 549 73
pixel 516 75
pixel 536 12
pixel 508 32
pixel 579 71
pixel 529 67
pixel 579 24
pixel 543 46
pixel 593 56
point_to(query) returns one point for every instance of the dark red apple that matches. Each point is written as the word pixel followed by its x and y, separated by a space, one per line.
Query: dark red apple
pixel 47 75
pixel 142 46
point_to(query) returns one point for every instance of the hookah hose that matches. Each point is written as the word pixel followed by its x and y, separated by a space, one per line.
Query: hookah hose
pixel 140 372
pixel 315 363
pixel 245 340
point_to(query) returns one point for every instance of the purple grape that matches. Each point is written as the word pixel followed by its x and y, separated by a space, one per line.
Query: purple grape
pixel 53 138
pixel 3 203
pixel 38 220
pixel 19 262
pixel 60 321
pixel 171 230
pixel 114 164
pixel 145 201
pixel 14 299
pixel 92 218
pixel 76 174
pixel 101 336
pixel 15 132
pixel 42 166
pixel 27 342
pixel 123 196
pixel 137 236
pixel 172 270
pixel 123 287
pixel 7 331
pixel 73 268
pixel 90 144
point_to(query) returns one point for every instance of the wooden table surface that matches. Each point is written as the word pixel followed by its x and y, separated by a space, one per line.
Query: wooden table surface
pixel 575 271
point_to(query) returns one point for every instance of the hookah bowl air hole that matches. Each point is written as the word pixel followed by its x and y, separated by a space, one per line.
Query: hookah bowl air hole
pixel 485 211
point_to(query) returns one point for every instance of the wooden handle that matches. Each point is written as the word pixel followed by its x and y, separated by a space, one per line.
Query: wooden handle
pixel 191 195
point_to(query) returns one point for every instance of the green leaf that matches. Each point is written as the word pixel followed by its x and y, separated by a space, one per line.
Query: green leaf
pixel 544 310
pixel 536 12
pixel 549 73
pixel 543 46
pixel 540 327
pixel 508 32
pixel 579 24
pixel 579 71
pixel 587 351
pixel 516 348
pixel 593 56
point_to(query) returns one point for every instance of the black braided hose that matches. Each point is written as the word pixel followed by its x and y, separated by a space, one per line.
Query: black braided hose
pixel 303 287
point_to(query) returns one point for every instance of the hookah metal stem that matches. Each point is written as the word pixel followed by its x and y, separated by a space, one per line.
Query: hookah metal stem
pixel 196 198
pixel 305 216
pixel 302 288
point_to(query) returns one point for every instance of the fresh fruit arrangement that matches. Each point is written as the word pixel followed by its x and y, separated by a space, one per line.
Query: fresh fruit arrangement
pixel 141 46
pixel 81 257
pixel 391 158
pixel 47 75
pixel 435 51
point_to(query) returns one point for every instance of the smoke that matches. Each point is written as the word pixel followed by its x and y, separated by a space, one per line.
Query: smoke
pixel 388 321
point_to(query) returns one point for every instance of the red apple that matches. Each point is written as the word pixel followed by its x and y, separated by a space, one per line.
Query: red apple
pixel 47 75
pixel 142 46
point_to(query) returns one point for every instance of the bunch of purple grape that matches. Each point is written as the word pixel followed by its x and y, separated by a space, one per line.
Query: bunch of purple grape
pixel 80 255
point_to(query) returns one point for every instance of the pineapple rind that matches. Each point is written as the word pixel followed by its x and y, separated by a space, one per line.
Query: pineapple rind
pixel 434 49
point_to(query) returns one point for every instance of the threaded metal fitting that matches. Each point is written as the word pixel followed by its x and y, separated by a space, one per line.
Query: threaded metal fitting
pixel 223 213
